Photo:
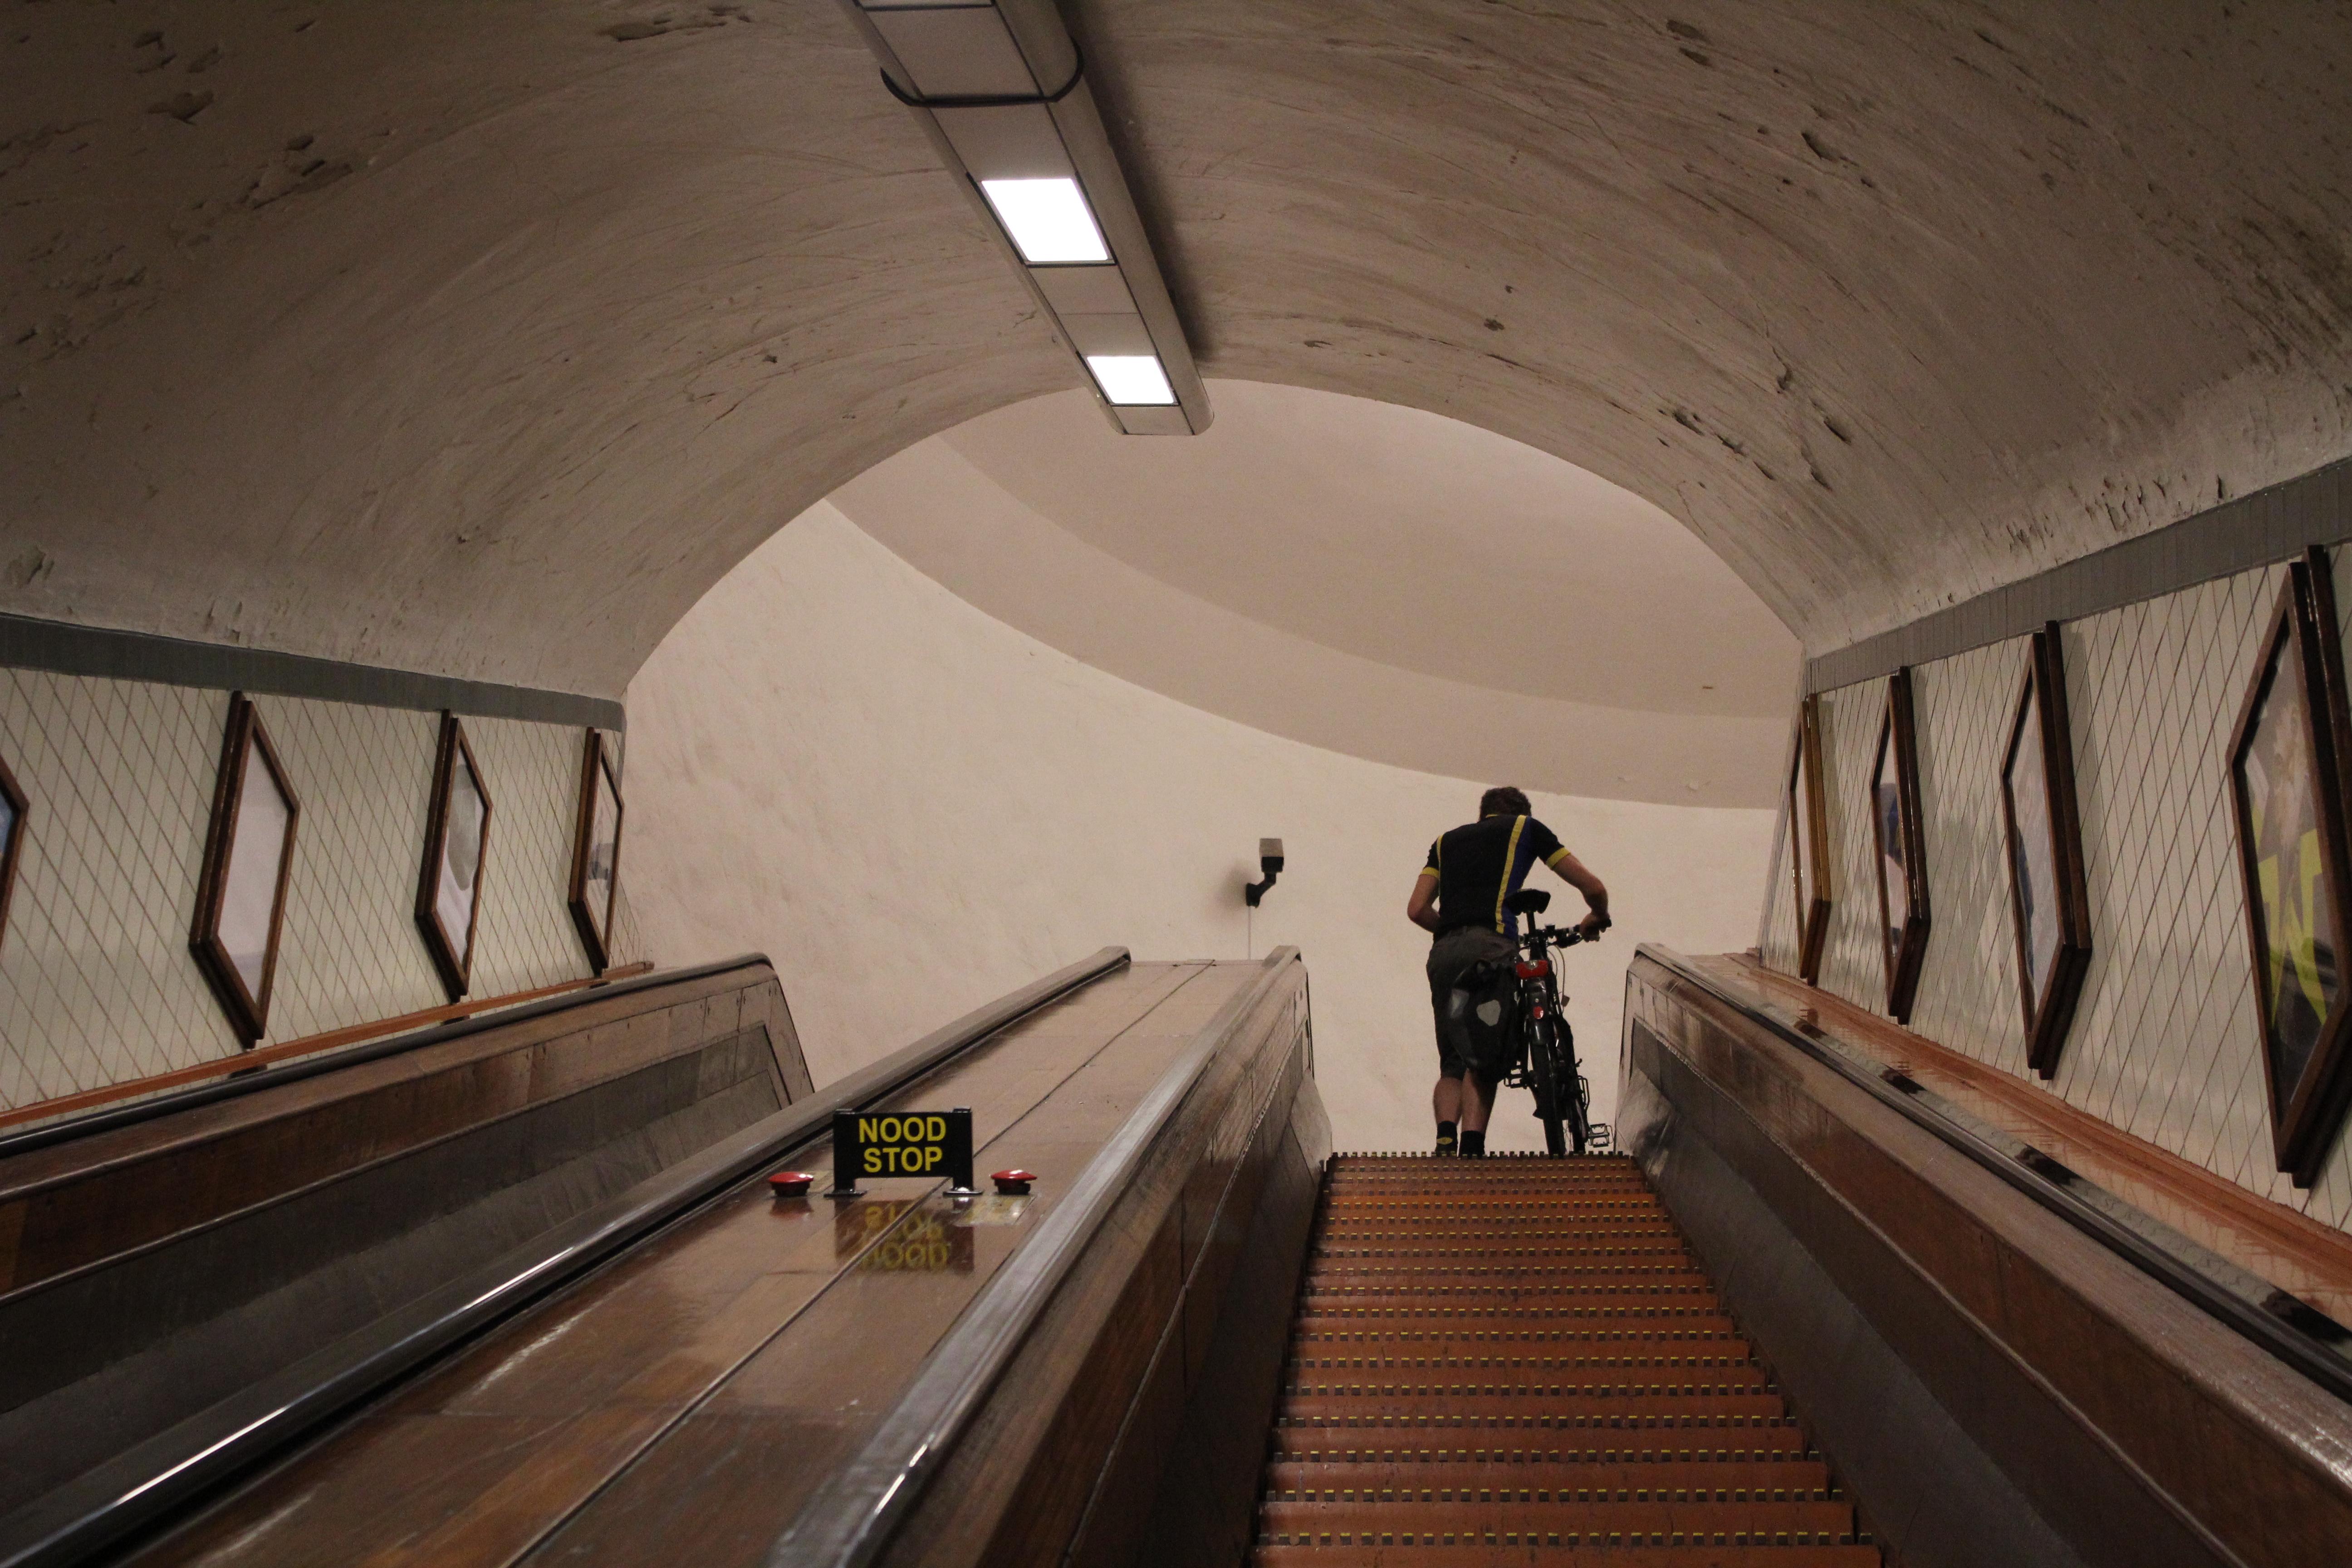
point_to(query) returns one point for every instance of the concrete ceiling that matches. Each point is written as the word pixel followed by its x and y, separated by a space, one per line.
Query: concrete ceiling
pixel 483 340
pixel 1369 578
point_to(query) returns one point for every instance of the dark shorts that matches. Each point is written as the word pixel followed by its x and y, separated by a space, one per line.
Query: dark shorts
pixel 1449 956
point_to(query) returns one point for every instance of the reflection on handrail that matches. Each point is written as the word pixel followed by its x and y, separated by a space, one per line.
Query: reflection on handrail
pixel 851 1520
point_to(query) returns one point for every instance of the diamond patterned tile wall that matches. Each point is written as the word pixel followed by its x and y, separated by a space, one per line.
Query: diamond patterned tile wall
pixel 2164 1042
pixel 97 985
pixel 350 951
pixel 527 937
pixel 1779 945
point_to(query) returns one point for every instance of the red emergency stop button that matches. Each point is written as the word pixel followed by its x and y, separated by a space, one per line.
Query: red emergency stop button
pixel 1012 1183
pixel 789 1184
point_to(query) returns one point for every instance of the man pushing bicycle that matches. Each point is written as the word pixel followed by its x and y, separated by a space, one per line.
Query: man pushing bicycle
pixel 1463 895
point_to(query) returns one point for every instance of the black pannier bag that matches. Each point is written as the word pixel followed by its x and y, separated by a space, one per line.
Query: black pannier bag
pixel 1478 1014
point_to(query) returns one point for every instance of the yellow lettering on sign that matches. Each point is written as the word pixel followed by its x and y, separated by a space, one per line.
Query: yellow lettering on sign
pixel 873 1161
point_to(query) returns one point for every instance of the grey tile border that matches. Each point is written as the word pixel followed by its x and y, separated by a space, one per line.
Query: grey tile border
pixel 2252 531
pixel 64 649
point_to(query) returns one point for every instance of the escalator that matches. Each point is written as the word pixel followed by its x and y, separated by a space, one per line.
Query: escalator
pixel 519 1293
pixel 1496 1356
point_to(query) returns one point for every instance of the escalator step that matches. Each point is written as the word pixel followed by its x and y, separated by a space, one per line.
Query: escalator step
pixel 1518 1360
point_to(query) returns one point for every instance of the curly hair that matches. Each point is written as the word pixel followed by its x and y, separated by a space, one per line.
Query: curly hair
pixel 1503 801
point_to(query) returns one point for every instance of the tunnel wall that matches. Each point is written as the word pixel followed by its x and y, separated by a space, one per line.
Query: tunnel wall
pixel 98 987
pixel 905 801
pixel 2165 1042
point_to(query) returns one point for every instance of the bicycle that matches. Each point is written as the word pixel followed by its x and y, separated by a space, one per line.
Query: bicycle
pixel 1543 1056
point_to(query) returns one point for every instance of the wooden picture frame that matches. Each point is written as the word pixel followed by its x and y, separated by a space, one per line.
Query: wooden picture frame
pixel 2048 905
pixel 249 861
pixel 597 852
pixel 2286 762
pixel 1899 837
pixel 17 805
pixel 1809 842
pixel 456 852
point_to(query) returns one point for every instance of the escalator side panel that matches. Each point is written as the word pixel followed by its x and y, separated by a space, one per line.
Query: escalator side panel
pixel 2135 1426
pixel 142 1342
pixel 1207 1494
pixel 1176 1396
pixel 68 1203
pixel 1924 1484
pixel 1077 1427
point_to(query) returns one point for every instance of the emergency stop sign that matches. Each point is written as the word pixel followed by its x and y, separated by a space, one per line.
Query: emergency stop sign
pixel 928 1143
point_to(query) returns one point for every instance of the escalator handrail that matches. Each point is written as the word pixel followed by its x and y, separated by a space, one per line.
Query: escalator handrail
pixel 144 1485
pixel 2283 1339
pixel 851 1519
pixel 300 1067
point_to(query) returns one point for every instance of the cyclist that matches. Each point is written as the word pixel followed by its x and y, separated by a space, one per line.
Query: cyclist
pixel 1460 896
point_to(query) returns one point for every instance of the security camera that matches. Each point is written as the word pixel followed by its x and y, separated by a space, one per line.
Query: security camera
pixel 1269 860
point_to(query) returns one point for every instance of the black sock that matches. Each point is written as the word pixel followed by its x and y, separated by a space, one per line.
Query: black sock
pixel 1473 1144
pixel 1445 1138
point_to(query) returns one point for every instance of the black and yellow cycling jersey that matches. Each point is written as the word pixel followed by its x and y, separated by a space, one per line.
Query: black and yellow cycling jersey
pixel 1482 863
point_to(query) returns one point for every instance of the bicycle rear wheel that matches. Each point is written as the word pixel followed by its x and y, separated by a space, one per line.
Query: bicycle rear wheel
pixel 1579 1114
pixel 1554 1094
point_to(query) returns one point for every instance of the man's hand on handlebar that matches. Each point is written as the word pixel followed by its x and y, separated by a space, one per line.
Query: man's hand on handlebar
pixel 1593 925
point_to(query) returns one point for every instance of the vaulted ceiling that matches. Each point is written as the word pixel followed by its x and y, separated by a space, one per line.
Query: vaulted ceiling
pixel 484 339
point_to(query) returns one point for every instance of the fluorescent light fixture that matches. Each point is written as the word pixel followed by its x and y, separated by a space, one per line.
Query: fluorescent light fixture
pixel 1047 219
pixel 1129 380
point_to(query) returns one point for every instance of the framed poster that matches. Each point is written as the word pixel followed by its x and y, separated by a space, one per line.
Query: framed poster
pixel 2050 909
pixel 457 840
pixel 1900 836
pixel 2286 787
pixel 597 852
pixel 1808 842
pixel 248 856
pixel 13 804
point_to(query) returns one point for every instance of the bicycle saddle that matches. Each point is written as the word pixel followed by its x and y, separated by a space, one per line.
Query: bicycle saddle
pixel 1529 901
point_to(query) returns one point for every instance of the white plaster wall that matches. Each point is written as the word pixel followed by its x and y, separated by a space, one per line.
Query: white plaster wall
pixel 912 808
pixel 951 521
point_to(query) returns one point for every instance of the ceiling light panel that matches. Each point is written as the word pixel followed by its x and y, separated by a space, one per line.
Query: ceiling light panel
pixel 1048 219
pixel 955 52
pixel 1107 334
pixel 1002 91
pixel 1084 290
pixel 1136 379
pixel 1005 142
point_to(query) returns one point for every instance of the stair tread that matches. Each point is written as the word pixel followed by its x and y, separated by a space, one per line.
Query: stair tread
pixel 1520 1360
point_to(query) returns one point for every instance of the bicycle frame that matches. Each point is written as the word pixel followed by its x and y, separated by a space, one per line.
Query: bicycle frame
pixel 1546 1059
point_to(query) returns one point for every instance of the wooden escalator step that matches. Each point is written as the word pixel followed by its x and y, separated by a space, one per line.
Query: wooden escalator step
pixel 1519 1360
